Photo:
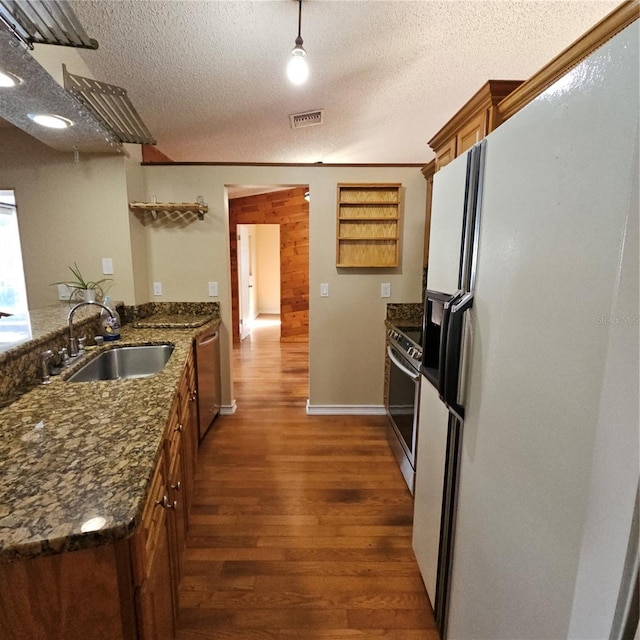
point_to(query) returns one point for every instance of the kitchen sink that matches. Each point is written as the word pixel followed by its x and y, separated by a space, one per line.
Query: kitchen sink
pixel 119 363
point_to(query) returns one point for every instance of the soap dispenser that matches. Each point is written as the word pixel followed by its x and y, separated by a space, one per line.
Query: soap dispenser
pixel 110 325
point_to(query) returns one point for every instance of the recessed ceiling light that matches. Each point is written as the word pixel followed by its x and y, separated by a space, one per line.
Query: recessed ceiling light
pixel 50 120
pixel 8 79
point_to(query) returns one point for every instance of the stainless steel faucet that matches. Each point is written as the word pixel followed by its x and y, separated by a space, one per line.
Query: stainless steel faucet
pixel 73 341
pixel 45 358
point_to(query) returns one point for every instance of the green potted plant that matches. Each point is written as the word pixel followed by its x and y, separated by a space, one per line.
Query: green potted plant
pixel 82 289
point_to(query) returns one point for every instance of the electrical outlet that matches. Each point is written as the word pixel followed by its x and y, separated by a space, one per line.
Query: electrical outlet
pixel 64 292
pixel 324 289
pixel 385 290
pixel 157 288
pixel 107 266
pixel 213 289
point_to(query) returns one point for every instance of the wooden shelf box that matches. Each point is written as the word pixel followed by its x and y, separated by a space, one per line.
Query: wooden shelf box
pixel 368 225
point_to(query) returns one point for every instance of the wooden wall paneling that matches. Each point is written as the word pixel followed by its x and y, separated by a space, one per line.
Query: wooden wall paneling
pixel 290 210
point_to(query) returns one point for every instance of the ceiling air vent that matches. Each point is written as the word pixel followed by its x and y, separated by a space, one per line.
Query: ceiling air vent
pixel 308 119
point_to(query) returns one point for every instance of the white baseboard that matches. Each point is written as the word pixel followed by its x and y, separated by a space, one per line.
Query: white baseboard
pixel 228 409
pixel 345 409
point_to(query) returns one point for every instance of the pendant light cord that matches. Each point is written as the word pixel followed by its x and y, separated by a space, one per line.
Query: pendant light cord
pixel 299 38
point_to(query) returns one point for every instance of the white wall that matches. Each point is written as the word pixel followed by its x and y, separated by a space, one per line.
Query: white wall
pixel 268 267
pixel 139 253
pixel 347 334
pixel 67 212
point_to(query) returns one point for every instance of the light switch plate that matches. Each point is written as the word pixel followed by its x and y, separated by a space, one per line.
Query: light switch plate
pixel 385 290
pixel 213 289
pixel 107 266
pixel 324 289
pixel 157 288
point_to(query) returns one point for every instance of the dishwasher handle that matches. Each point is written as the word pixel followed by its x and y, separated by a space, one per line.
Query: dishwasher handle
pixel 208 339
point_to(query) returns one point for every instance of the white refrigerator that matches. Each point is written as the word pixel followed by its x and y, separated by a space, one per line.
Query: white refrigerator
pixel 542 522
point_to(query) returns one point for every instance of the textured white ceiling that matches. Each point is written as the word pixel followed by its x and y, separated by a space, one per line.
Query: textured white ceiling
pixel 208 77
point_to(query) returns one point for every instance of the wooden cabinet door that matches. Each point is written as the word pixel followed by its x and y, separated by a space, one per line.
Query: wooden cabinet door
pixel 193 413
pixel 445 154
pixel 155 604
pixel 189 421
pixel 177 514
pixel 152 564
pixel 472 132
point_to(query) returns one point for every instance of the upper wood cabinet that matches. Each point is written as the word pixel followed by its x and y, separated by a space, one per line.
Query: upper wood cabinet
pixel 498 100
pixel 476 119
pixel 368 225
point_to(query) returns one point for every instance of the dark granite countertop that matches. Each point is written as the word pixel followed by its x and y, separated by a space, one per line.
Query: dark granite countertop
pixel 172 321
pixel 20 332
pixel 75 456
pixel 406 314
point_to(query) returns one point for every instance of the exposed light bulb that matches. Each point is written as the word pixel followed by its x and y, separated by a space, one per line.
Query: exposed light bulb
pixel 297 69
pixel 50 120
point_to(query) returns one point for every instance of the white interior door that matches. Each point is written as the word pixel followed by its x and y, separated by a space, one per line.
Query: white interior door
pixel 245 283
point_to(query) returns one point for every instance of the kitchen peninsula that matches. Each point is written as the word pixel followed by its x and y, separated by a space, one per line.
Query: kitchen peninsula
pixel 95 492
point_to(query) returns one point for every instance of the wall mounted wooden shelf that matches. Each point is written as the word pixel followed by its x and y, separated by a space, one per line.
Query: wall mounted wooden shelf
pixel 368 225
pixel 168 208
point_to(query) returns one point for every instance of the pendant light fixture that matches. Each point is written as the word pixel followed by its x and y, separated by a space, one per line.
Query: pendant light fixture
pixel 297 69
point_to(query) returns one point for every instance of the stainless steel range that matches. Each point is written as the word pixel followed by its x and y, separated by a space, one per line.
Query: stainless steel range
pixel 402 397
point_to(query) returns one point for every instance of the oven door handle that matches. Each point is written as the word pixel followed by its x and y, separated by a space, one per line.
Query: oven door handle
pixel 412 374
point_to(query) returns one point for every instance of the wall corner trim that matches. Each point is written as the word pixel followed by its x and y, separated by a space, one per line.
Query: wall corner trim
pixel 228 409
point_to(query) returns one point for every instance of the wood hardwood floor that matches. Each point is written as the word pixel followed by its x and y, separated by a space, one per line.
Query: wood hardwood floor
pixel 301 525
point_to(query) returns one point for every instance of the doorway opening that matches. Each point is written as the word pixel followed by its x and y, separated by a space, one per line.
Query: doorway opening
pixel 288 208
pixel 258 276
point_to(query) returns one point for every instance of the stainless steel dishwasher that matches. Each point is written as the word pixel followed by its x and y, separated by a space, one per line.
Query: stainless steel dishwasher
pixel 208 379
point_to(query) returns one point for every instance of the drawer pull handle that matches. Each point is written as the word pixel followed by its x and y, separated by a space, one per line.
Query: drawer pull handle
pixel 194 395
pixel 179 428
pixel 177 486
pixel 164 503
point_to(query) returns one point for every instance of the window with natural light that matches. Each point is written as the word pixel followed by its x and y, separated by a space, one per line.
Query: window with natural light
pixel 13 294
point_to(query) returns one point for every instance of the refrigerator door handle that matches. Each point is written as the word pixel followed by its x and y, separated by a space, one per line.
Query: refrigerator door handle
pixel 444 330
pixel 454 353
